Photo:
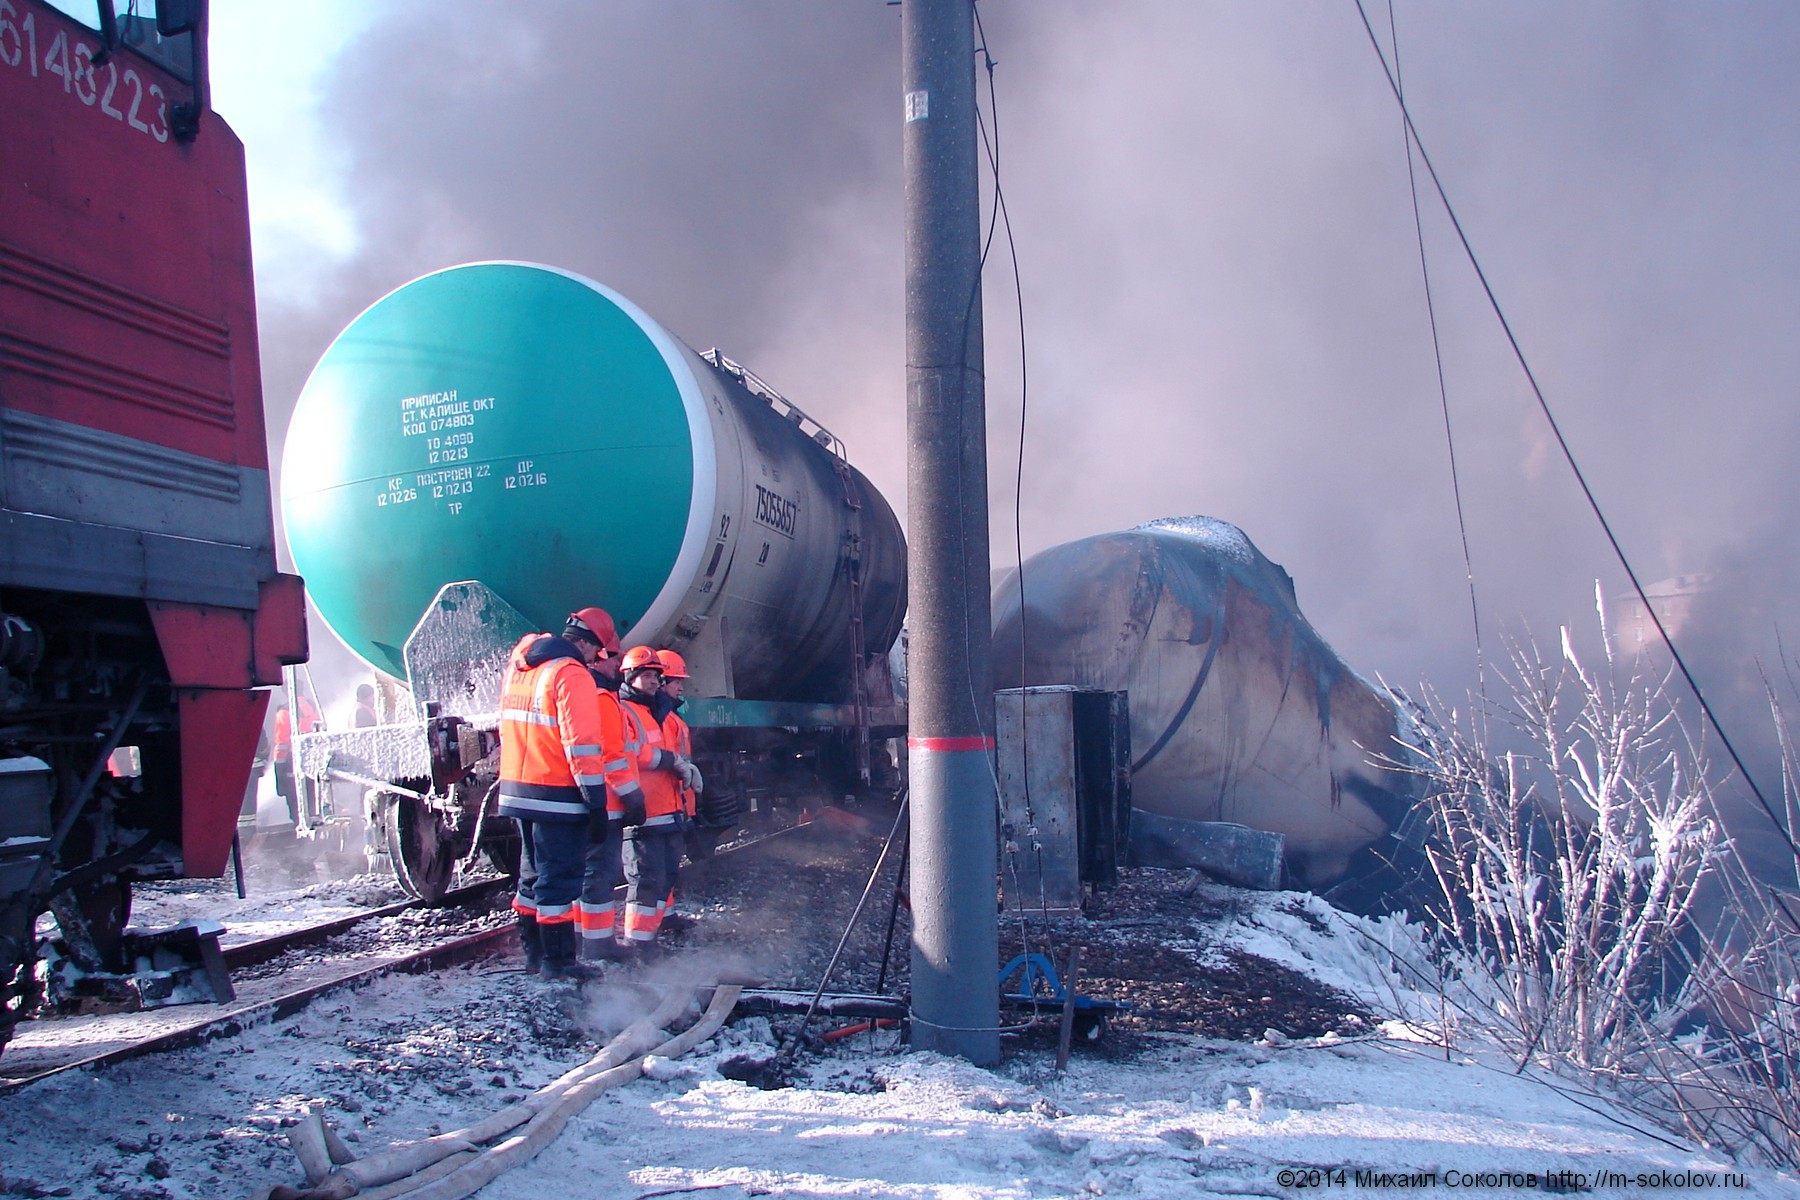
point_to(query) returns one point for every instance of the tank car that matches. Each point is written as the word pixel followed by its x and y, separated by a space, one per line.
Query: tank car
pixel 533 442
pixel 140 605
pixel 1240 712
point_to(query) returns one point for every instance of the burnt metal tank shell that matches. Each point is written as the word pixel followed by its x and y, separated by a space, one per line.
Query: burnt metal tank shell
pixel 1240 711
pixel 535 431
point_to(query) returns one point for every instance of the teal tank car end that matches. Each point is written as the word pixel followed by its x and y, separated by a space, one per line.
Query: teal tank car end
pixel 505 422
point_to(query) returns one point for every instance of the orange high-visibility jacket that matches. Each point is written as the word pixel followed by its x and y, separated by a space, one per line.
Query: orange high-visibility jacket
pixel 622 781
pixel 679 738
pixel 553 753
pixel 284 735
pixel 655 763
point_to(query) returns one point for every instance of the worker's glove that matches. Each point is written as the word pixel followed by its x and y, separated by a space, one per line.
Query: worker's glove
pixel 694 781
pixel 633 802
pixel 595 796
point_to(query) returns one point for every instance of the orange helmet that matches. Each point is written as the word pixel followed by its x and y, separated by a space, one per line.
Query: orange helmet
pixel 595 625
pixel 672 665
pixel 639 658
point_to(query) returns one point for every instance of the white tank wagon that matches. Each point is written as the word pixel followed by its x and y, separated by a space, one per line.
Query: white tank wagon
pixel 1240 711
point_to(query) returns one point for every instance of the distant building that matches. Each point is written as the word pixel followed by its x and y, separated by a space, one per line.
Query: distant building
pixel 1673 600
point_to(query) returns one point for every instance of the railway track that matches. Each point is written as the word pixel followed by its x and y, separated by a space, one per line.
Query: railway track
pixel 55 1044
pixel 254 953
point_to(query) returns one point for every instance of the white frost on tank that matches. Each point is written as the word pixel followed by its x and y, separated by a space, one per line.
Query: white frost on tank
pixel 1225 538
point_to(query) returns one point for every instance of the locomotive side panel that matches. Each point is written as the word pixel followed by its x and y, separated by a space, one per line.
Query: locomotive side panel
pixel 124 250
pixel 138 591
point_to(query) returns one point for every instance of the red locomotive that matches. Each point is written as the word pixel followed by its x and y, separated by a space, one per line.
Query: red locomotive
pixel 140 606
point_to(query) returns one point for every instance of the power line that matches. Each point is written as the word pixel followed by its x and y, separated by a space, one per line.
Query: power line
pixel 1562 442
pixel 1437 352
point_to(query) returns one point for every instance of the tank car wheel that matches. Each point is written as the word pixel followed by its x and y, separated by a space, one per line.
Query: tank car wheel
pixel 422 850
pixel 503 855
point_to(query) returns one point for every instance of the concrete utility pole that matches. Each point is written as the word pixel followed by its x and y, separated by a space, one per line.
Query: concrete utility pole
pixel 955 990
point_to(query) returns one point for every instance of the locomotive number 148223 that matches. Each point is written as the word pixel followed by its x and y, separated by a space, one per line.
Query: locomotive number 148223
pixel 123 95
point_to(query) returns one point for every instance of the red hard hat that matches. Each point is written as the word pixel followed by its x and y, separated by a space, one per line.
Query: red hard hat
pixel 596 625
pixel 640 658
pixel 672 665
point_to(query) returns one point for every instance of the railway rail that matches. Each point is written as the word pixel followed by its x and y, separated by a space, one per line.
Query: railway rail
pixel 254 953
pixel 52 1045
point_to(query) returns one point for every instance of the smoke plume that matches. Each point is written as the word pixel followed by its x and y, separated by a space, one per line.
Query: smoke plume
pixel 1223 303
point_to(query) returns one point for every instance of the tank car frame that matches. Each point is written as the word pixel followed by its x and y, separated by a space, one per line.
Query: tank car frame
pixel 428 783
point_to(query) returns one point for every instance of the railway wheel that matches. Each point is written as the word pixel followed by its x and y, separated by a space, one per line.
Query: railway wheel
pixel 423 851
pixel 503 855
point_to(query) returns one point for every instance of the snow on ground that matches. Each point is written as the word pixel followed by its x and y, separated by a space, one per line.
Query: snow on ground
pixel 263 913
pixel 1180 1116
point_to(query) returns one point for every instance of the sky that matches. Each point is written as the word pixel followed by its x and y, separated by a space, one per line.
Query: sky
pixel 1222 295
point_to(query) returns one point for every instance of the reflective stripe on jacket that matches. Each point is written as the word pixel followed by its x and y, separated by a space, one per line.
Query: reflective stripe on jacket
pixel 552 765
pixel 655 763
pixel 621 764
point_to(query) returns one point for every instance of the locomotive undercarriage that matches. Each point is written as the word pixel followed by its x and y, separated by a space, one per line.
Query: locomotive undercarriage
pixel 90 783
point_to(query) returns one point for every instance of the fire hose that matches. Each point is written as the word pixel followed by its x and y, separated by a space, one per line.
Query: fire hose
pixel 458 1164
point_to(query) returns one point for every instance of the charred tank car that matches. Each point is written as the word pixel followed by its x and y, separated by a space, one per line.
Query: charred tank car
pixel 1240 712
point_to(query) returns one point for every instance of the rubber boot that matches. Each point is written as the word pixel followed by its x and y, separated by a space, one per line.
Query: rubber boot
pixel 531 940
pixel 604 949
pixel 559 953
pixel 634 950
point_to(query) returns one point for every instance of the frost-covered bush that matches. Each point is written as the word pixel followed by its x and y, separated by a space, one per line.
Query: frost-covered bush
pixel 1574 867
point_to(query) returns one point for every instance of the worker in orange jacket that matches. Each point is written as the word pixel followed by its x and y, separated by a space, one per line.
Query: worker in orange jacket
pixel 596 913
pixel 554 775
pixel 679 738
pixel 286 784
pixel 662 772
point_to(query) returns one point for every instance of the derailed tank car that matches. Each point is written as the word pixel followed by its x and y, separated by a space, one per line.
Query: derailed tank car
pixel 1240 712
pixel 537 440
pixel 140 606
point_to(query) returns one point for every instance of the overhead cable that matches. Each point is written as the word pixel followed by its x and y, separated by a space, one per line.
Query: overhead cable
pixel 1568 454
